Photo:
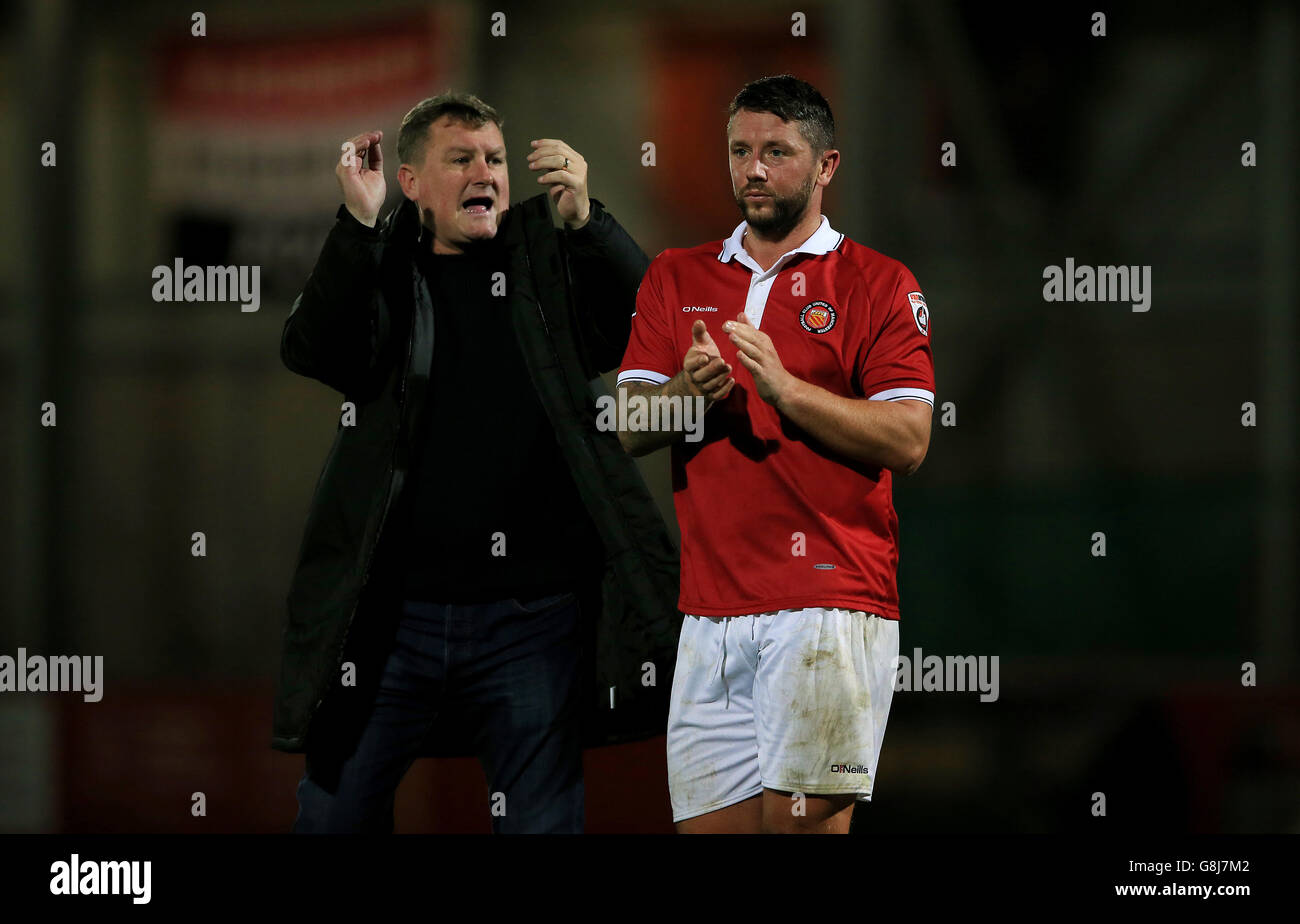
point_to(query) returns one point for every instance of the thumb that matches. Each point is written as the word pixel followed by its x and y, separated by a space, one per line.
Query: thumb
pixel 700 334
pixel 743 318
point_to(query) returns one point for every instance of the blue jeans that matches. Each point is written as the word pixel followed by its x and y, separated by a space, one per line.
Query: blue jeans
pixel 509 671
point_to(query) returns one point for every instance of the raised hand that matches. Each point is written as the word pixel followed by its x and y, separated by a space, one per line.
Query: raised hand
pixel 757 354
pixel 360 170
pixel 706 373
pixel 566 172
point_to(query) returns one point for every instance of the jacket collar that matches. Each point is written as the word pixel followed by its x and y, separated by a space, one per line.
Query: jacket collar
pixel 404 224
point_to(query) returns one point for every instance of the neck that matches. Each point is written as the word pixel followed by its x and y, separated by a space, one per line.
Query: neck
pixel 766 251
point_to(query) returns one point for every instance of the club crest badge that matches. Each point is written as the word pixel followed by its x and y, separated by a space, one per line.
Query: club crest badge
pixel 817 317
pixel 920 312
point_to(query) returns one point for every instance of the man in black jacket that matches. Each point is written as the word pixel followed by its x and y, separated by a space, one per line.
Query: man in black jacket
pixel 482 569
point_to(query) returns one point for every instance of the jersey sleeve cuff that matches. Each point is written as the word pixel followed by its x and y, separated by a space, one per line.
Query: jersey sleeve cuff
pixel 898 394
pixel 642 375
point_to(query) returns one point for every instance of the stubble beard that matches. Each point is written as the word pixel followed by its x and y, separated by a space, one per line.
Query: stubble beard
pixel 787 211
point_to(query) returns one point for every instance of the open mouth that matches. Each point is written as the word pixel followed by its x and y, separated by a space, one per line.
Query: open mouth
pixel 477 205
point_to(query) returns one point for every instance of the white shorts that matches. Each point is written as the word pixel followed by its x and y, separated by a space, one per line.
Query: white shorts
pixel 794 701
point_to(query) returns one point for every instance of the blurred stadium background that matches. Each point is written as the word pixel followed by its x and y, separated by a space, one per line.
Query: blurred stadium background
pixel 1118 675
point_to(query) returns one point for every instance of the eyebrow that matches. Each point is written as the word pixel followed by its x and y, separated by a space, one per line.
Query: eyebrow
pixel 474 151
pixel 765 146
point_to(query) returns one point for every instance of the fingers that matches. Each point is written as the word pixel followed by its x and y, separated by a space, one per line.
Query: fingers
pixel 748 345
pixel 702 340
pixel 367 143
pixel 747 337
pixel 707 367
pixel 746 348
pixel 552 162
pixel 710 375
pixel 553 152
pixel 712 367
pixel 545 146
pixel 565 165
pixel 563 177
pixel 365 139
pixel 745 330
pixel 706 371
pixel 713 385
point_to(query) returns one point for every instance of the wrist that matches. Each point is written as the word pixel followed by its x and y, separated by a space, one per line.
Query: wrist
pixel 365 221
pixel 581 222
pixel 788 396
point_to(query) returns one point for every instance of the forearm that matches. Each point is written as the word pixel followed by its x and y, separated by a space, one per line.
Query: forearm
pixel 883 433
pixel 607 266
pixel 641 442
pixel 333 329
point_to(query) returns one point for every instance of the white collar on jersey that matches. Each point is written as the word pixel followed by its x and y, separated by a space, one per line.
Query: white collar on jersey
pixel 822 241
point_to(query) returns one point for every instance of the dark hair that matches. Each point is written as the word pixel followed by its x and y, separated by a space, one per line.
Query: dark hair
pixel 414 131
pixel 791 100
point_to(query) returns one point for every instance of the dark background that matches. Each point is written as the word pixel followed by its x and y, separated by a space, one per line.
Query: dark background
pixel 1120 675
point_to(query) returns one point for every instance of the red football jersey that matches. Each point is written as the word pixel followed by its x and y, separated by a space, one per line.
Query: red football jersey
pixel 769 518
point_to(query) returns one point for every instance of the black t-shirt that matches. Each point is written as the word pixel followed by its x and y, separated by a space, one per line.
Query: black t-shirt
pixel 490 478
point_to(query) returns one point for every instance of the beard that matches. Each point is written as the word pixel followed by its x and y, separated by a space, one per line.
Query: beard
pixel 786 210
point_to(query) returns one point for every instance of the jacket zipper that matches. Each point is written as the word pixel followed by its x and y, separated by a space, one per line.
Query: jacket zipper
pixel 528 261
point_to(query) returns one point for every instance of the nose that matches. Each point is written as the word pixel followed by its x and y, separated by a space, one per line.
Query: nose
pixel 756 171
pixel 482 173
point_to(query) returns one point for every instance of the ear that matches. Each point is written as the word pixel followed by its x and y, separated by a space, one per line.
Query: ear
pixel 407 179
pixel 830 161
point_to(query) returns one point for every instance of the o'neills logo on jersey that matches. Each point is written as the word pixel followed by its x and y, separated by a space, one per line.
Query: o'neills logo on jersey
pixel 698 308
pixel 817 317
pixel 848 768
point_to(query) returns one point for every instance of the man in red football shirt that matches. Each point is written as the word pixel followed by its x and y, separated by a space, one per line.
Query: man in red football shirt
pixel 812 355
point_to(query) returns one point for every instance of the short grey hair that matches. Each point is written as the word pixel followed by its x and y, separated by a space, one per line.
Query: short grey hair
pixel 413 134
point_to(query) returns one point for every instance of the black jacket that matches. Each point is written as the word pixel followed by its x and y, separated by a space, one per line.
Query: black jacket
pixel 363 325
